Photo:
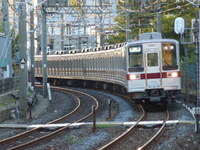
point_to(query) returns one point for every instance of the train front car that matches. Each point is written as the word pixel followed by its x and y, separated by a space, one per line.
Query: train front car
pixel 153 68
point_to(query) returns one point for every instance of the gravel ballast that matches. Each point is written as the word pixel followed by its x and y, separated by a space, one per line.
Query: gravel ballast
pixel 180 136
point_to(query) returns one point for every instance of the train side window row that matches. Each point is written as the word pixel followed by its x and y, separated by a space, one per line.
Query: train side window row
pixel 60 65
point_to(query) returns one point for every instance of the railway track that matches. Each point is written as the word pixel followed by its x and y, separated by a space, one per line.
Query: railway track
pixel 160 131
pixel 120 141
pixel 32 137
pixel 125 135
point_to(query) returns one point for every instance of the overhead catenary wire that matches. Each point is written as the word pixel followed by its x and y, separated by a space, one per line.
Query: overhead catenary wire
pixel 39 6
pixel 79 17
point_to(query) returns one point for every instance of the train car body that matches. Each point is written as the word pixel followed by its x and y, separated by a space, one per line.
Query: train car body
pixel 147 69
pixel 153 70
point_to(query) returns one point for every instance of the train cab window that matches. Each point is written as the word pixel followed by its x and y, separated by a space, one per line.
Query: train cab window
pixel 169 56
pixel 135 59
pixel 152 59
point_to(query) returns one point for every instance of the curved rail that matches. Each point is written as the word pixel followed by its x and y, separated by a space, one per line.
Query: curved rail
pixel 96 101
pixel 125 135
pixel 32 131
pixel 38 140
pixel 160 131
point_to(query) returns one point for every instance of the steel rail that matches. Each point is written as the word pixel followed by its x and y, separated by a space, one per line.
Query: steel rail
pixel 10 139
pixel 125 135
pixel 96 101
pixel 160 131
pixel 33 142
pixel 28 144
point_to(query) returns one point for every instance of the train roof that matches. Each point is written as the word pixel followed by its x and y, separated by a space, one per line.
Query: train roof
pixel 150 36
pixel 153 36
pixel 143 38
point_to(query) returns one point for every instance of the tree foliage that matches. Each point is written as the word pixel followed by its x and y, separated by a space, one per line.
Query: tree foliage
pixel 148 18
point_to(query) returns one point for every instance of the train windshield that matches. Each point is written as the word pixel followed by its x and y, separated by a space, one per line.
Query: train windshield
pixel 152 59
pixel 169 56
pixel 135 59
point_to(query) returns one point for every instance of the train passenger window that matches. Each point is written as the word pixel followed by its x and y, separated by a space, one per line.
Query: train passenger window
pixel 136 59
pixel 152 59
pixel 169 56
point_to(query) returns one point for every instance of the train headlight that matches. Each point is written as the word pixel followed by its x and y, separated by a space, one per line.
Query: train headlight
pixel 133 76
pixel 172 74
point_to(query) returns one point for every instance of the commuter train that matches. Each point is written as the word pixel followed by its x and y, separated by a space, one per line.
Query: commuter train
pixel 148 70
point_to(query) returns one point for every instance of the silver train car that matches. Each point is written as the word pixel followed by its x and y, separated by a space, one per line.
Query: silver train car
pixel 148 70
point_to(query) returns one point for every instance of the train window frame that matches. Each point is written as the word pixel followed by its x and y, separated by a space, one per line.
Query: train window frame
pixel 167 47
pixel 152 59
pixel 136 67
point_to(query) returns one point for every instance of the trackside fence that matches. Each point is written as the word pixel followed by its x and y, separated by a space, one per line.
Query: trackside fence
pixel 191 83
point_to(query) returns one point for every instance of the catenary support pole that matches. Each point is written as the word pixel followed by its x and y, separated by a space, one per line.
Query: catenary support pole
pixel 62 32
pixel 44 52
pixel 6 17
pixel 186 73
pixel 23 57
pixel 127 23
pixel 101 26
pixel 8 49
pixel 32 49
pixel 198 67
pixel 159 17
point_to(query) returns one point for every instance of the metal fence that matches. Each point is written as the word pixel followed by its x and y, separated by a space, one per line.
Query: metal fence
pixel 192 80
pixel 8 85
pixel 189 85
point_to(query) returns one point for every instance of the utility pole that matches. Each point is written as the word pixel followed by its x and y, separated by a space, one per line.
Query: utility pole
pixel 101 26
pixel 62 33
pixel 23 57
pixel 197 50
pixel 139 24
pixel 127 23
pixel 44 51
pixel 32 49
pixel 6 17
pixel 186 73
pixel 79 38
pixel 196 110
pixel 159 18
pixel 198 63
pixel 8 43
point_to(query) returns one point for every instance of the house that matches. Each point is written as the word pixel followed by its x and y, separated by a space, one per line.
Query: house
pixel 5 57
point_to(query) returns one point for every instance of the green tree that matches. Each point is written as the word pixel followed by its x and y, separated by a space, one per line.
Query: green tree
pixel 148 16
pixel 170 11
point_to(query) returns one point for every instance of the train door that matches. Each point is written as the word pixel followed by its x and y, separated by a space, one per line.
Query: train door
pixel 153 73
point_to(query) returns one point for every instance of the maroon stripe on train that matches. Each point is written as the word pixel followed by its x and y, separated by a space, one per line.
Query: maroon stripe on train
pixel 156 75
